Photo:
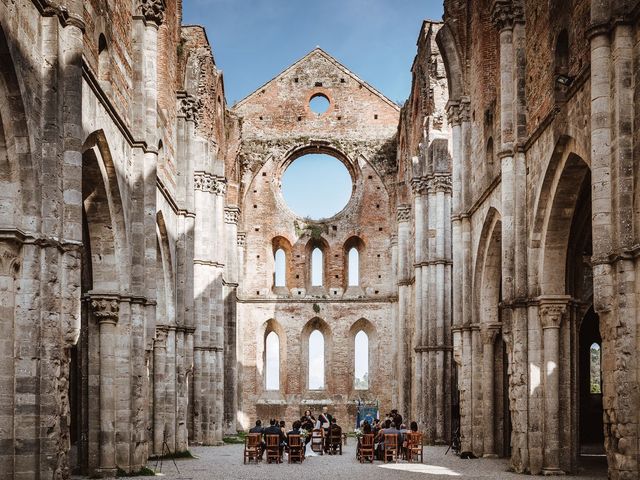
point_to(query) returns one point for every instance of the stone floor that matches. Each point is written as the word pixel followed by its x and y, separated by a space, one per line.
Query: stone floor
pixel 226 463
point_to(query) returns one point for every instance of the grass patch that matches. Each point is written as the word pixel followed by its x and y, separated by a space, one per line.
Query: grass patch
pixel 235 439
pixel 170 456
pixel 143 472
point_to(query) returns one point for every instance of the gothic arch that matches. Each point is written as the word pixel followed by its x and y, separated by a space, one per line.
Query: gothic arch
pixel 166 285
pixel 452 62
pixel 554 210
pixel 17 173
pixel 104 216
pixel 367 327
pixel 271 325
pixel 319 324
pixel 282 243
pixel 488 270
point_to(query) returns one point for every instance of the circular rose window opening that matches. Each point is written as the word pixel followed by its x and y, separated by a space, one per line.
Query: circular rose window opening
pixel 319 104
pixel 316 186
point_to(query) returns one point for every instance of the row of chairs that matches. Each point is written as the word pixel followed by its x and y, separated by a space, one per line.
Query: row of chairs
pixel 253 448
pixel 413 451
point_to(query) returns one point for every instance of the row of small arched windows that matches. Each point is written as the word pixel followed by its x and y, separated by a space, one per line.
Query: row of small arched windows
pixel 316 365
pixel 317 274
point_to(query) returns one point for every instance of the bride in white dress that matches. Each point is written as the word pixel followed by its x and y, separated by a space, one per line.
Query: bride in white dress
pixel 308 452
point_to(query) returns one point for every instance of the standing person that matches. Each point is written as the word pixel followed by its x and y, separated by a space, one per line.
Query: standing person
pixel 308 421
pixel 325 419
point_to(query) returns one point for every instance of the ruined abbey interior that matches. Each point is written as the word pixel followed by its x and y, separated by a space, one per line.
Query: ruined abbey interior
pixel 488 259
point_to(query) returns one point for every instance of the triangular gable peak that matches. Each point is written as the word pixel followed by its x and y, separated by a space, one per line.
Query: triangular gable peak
pixel 313 53
pixel 283 107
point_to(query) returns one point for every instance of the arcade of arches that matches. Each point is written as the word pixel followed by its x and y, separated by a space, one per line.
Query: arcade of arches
pixel 483 277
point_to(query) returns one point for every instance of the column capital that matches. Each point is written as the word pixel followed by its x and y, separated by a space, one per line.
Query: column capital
pixel 161 336
pixel 189 108
pixel 418 185
pixel 403 213
pixel 551 310
pixel 439 183
pixel 489 332
pixel 105 307
pixel 505 13
pixel 209 183
pixel 231 215
pixel 152 11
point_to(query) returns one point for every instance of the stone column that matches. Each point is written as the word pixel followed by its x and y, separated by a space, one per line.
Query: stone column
pixel 404 291
pixel 551 311
pixel 489 333
pixel 420 375
pixel 159 389
pixel 105 310
pixel 241 243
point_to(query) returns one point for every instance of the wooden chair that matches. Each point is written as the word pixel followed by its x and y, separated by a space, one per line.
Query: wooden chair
pixel 317 441
pixel 414 446
pixel 390 447
pixel 366 447
pixel 273 448
pixel 253 447
pixel 296 448
pixel 335 440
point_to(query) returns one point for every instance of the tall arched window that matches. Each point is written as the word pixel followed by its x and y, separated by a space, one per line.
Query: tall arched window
pixel 316 268
pixel 361 361
pixel 272 361
pixel 103 58
pixel 316 360
pixel 354 267
pixel 280 272
pixel 595 377
pixel 489 152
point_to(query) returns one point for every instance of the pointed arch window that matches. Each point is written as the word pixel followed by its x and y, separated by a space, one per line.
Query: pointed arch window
pixel 361 361
pixel 354 267
pixel 317 270
pixel 595 376
pixel 316 360
pixel 272 361
pixel 280 271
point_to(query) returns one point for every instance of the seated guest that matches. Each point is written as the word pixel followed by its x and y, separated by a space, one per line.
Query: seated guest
pixel 295 428
pixel 258 429
pixel 274 429
pixel 366 428
pixel 283 426
pixel 414 426
pixel 389 429
pixel 334 429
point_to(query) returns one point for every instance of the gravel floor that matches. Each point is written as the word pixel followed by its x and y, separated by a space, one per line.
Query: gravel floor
pixel 226 463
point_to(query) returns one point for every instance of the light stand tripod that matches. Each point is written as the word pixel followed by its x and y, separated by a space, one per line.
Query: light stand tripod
pixel 165 445
pixel 455 443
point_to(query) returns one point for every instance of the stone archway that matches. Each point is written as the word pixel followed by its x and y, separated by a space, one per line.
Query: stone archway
pixel 563 224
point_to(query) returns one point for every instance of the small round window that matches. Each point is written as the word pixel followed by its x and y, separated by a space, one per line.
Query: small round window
pixel 319 104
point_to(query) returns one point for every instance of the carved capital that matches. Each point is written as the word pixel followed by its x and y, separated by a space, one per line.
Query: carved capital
pixel 404 213
pixel 231 215
pixel 9 252
pixel 161 337
pixel 418 185
pixel 105 308
pixel 190 107
pixel 489 333
pixel 551 312
pixel 206 182
pixel 242 239
pixel 440 183
pixel 504 13
pixel 152 10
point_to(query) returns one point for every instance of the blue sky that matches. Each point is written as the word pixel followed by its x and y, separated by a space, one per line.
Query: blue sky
pixel 254 40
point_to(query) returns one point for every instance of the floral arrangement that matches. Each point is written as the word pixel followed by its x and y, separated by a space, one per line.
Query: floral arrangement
pixel 303 434
pixel 358 433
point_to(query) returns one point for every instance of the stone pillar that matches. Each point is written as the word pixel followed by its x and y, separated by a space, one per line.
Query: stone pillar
pixel 489 333
pixel 404 291
pixel 105 310
pixel 240 419
pixel 551 311
pixel 420 374
pixel 159 389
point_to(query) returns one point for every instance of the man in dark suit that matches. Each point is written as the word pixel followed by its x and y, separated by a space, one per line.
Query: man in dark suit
pixel 274 429
pixel 258 429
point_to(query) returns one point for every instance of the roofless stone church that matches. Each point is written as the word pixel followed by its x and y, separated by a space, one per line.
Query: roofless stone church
pixel 156 287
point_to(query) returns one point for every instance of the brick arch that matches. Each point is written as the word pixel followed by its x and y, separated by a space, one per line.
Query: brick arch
pixel 364 325
pixel 487 276
pixel 316 323
pixel 280 242
pixel 324 247
pixel 553 213
pixel 19 195
pixel 105 217
pixel 271 325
